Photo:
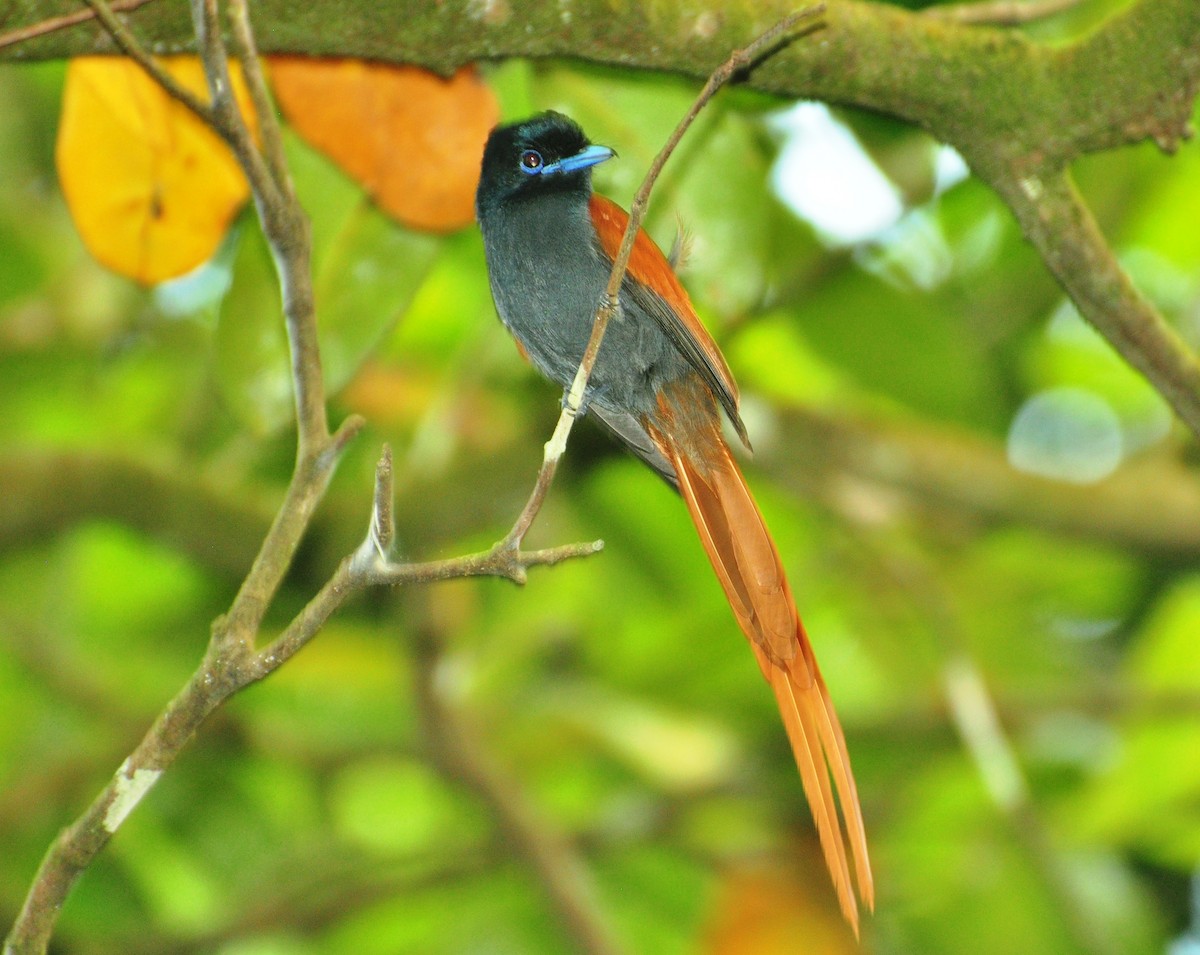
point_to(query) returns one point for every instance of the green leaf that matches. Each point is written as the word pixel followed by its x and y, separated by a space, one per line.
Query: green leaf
pixel 398 806
pixel 367 277
pixel 898 344
pixel 366 267
pixel 1148 796
pixel 252 365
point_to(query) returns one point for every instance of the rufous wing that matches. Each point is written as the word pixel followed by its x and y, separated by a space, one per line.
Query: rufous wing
pixel 653 285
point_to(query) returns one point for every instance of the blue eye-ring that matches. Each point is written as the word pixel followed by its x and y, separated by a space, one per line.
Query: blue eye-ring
pixel 531 161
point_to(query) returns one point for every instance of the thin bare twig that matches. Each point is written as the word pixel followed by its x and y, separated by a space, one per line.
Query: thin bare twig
pixel 229 122
pixel 372 561
pixel 53 24
pixel 371 565
pixel 269 132
pixel 382 533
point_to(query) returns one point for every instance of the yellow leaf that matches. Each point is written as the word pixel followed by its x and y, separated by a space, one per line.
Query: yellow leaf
pixel 151 189
pixel 413 140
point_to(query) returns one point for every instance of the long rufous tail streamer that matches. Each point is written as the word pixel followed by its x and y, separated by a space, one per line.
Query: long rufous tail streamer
pixel 748 566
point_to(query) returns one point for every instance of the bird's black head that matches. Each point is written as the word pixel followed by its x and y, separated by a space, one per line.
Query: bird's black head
pixel 546 153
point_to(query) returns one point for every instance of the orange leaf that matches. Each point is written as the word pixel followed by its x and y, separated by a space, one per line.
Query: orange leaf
pixel 413 140
pixel 772 910
pixel 151 189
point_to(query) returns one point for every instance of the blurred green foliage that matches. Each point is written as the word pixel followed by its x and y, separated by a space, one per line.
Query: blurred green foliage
pixel 308 818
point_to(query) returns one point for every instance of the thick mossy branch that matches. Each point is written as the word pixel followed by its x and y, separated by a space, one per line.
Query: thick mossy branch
pixel 1058 223
pixel 1134 77
pixel 963 481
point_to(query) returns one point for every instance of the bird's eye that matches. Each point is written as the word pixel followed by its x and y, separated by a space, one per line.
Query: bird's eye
pixel 531 161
